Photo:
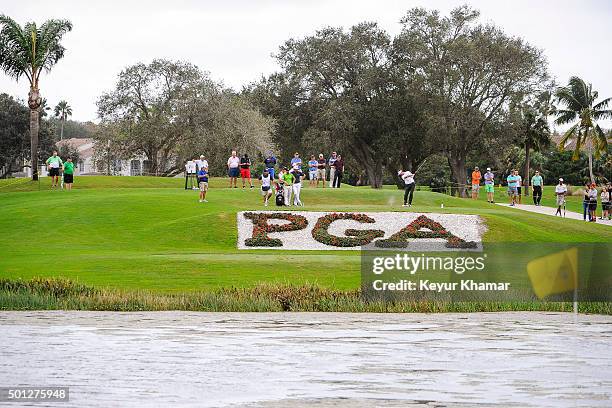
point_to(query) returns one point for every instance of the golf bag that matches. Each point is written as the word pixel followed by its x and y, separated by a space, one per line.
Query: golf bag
pixel 280 200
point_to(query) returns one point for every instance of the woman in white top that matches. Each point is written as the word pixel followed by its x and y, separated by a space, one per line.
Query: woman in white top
pixel 593 202
pixel 409 185
pixel 560 192
pixel 605 203
pixel 266 186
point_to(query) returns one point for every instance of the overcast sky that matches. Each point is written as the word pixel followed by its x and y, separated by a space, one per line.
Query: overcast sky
pixel 234 39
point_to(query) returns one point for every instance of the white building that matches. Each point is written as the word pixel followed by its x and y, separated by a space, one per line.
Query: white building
pixel 136 166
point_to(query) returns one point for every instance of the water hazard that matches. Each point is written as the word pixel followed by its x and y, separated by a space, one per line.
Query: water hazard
pixel 303 359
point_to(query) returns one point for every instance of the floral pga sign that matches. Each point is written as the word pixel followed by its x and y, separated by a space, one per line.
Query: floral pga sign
pixel 347 230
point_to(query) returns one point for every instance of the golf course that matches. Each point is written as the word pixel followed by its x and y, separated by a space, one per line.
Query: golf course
pixel 149 235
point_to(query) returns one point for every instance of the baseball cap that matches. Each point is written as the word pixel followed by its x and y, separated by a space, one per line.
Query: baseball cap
pixel 560 179
pixel 488 169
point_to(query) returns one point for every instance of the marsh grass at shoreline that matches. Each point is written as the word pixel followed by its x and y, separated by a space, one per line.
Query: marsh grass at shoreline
pixel 64 294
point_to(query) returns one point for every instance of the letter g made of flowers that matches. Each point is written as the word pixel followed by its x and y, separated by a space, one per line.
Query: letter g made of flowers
pixel 353 237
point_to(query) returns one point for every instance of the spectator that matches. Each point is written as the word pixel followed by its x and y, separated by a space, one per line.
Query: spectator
pixel 593 203
pixel 519 183
pixel 605 202
pixel 585 202
pixel 321 163
pixel 560 193
pixel 54 163
pixel 201 163
pixel 312 170
pixel 338 172
pixel 489 178
pixel 233 164
pixel 68 173
pixel 537 185
pixel 270 163
pixel 475 183
pixel 512 180
pixel 332 168
pixel 296 160
pixel 245 170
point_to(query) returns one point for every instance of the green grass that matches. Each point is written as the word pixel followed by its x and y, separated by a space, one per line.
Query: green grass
pixel 146 233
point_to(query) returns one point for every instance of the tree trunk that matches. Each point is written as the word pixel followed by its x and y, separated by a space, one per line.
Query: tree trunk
pixel 62 130
pixel 374 172
pixel 34 101
pixel 591 175
pixel 371 164
pixel 527 152
pixel 458 172
pixel 590 153
pixel 34 127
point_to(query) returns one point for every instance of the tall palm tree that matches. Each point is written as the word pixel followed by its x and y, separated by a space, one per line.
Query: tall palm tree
pixel 534 129
pixel 62 111
pixel 578 99
pixel 29 50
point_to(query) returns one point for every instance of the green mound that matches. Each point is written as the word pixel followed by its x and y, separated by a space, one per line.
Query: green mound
pixel 149 233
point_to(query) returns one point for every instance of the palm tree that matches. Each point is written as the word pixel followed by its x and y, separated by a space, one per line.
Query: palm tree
pixel 29 50
pixel 62 111
pixel 534 129
pixel 578 99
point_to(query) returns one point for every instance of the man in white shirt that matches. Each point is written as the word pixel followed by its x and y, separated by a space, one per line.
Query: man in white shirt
pixel 233 168
pixel 54 164
pixel 201 163
pixel 409 185
pixel 560 192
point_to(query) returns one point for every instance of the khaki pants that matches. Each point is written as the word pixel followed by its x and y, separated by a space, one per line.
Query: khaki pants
pixel 287 194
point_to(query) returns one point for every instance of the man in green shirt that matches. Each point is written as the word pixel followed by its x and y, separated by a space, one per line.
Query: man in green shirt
pixel 537 184
pixel 54 163
pixel 68 173
pixel 286 179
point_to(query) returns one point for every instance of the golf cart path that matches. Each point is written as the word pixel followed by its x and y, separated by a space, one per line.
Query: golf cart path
pixel 551 211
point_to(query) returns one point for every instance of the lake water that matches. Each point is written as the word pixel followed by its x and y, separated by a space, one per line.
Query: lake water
pixel 311 359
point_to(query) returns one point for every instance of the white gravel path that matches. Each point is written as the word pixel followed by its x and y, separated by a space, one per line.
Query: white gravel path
pixel 551 212
pixel 467 227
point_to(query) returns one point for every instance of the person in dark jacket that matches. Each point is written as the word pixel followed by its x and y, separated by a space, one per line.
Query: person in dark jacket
pixel 339 166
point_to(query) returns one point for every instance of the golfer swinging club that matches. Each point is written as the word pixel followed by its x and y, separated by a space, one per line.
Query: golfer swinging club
pixel 409 185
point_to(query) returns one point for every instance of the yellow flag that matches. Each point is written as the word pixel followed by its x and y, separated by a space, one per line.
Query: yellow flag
pixel 556 273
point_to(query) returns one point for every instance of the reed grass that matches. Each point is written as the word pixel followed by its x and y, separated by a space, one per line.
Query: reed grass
pixel 64 294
